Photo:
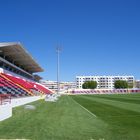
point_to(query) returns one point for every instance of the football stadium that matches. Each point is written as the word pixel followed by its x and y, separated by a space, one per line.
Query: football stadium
pixel 29 110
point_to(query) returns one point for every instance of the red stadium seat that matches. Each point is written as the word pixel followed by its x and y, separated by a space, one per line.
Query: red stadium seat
pixel 28 85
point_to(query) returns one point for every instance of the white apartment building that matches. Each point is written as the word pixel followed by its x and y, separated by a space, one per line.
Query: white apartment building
pixel 103 82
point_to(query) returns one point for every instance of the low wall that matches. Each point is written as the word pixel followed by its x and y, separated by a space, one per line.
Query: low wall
pixel 103 91
pixel 5 111
pixel 21 101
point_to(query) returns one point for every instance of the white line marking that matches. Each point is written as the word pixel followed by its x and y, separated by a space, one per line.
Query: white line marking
pixel 84 108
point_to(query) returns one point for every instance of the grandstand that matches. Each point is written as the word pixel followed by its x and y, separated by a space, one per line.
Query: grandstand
pixel 17 68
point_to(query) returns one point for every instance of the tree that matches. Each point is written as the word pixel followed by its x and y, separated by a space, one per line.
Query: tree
pixel 89 85
pixel 120 84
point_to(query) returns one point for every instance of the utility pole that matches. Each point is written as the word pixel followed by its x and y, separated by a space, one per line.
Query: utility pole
pixel 58 50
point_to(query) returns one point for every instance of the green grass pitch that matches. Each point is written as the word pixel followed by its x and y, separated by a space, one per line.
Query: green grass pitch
pixel 80 117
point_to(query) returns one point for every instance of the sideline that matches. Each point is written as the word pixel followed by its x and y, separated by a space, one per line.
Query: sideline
pixel 84 108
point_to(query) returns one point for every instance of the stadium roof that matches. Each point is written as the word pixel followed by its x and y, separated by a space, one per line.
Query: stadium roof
pixel 20 56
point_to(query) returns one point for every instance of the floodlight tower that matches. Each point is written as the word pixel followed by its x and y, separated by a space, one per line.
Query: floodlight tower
pixel 58 50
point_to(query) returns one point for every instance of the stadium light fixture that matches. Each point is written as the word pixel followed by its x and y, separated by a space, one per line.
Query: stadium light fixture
pixel 58 50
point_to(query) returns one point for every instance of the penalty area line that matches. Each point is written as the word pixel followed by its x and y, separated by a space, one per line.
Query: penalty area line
pixel 84 108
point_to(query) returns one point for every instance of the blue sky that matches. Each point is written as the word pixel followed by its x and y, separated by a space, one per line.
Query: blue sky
pixel 97 37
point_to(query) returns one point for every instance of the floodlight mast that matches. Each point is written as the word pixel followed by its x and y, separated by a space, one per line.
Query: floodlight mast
pixel 58 50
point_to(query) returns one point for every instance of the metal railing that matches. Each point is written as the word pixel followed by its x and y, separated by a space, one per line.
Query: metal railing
pixel 5 98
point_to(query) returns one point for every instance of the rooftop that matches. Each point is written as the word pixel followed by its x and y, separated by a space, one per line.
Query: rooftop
pixel 19 56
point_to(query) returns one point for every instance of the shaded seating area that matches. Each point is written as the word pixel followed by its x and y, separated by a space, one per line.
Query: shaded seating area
pixel 8 87
pixel 42 88
pixel 13 82
pixel 19 79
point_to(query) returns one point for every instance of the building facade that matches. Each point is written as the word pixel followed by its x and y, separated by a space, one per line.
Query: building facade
pixel 103 82
pixel 63 85
pixel 137 84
